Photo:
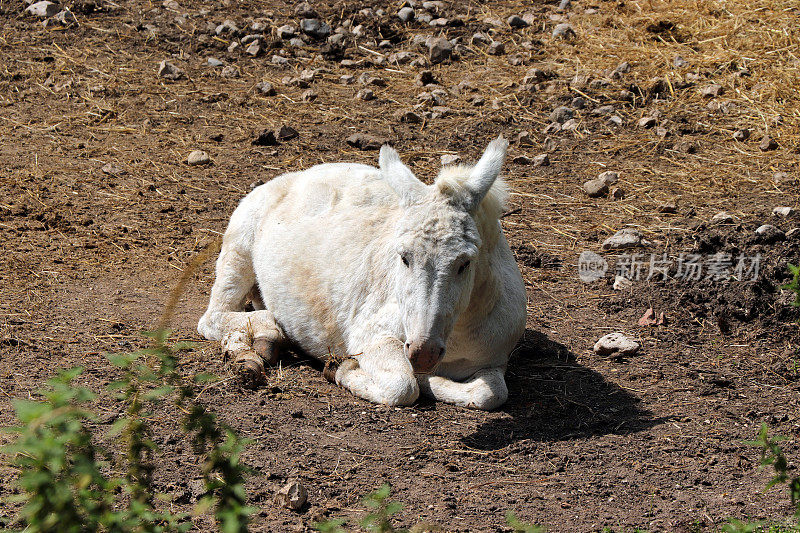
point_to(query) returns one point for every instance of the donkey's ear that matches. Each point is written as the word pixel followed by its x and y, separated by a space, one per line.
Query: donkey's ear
pixel 485 172
pixel 399 176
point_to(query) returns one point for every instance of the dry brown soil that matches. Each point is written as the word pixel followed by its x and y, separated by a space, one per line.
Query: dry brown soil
pixel 585 442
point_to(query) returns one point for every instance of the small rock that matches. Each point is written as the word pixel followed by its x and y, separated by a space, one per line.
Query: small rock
pixel 625 238
pixel 347 79
pixel 564 31
pixel 227 27
pixel 279 61
pixel 647 122
pixel 517 22
pixel 621 283
pixel 169 71
pixel 406 14
pixel 265 138
pixel 112 169
pixel 617 193
pixel 769 233
pixel 450 159
pixel 425 78
pixel 496 48
pixel 524 138
pixel 668 207
pixel 198 157
pixel 253 49
pixel 304 10
pixel 579 102
pixel 440 50
pixel 609 177
pixel 616 344
pixel 778 211
pixel 365 94
pixel 541 160
pixel 649 318
pixel 231 71
pixel 712 91
pixel 767 144
pixel 722 218
pixel 408 116
pixel 214 62
pixel 293 496
pixel 480 38
pixel 604 110
pixel 614 120
pixel 297 42
pixel 623 68
pixel 741 135
pixel 595 188
pixel 662 132
pixel 570 125
pixel 440 22
pixel 563 6
pixel 265 88
pixel 553 127
pixel 368 79
pixel 522 160
pixel 561 114
pixel 315 28
pixel 287 31
pixel 679 62
pixel 64 17
pixel 309 95
pixel 400 58
pixel 43 9
pixel 365 141
pixel 287 133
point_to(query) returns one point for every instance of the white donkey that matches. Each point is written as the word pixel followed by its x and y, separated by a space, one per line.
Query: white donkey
pixel 413 287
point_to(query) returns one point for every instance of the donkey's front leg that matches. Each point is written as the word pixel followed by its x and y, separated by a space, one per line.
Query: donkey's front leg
pixel 485 389
pixel 382 374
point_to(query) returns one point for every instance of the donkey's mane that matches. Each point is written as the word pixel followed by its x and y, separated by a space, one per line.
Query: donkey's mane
pixel 452 182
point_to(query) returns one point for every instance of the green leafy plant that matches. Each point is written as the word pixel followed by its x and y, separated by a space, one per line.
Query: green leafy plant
pixel 794 285
pixel 64 475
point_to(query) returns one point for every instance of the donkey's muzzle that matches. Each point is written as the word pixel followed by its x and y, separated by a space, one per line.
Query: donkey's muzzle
pixel 424 356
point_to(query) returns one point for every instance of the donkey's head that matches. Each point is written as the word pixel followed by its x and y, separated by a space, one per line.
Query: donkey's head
pixel 436 246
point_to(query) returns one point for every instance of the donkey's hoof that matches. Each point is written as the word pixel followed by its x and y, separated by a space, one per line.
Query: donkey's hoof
pixel 266 349
pixel 250 369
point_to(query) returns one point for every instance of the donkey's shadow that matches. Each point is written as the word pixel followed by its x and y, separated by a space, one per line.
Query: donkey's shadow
pixel 552 397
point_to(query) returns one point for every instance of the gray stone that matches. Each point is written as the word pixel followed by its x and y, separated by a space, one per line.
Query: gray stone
pixel 561 114
pixel 595 188
pixel 741 135
pixel 647 122
pixel 609 177
pixel 265 88
pixel 625 238
pixel 43 9
pixel 214 62
pixel 198 157
pixel 408 116
pixel 347 79
pixel 297 42
pixel 563 6
pixel 570 125
pixel 541 160
pixel 315 28
pixel 616 344
pixel 440 22
pixel 621 283
pixel 553 127
pixel 769 233
pixel 440 49
pixel 231 71
pixel 617 193
pixel 783 211
pixel 767 144
pixel 614 120
pixel 400 58
pixel 253 49
pixel 279 61
pixel 227 27
pixel 604 110
pixel 496 48
pixel 304 10
pixel 712 91
pixel 169 71
pixel 309 95
pixel 365 94
pixel 286 133
pixel 564 31
pixel 287 31
pixel 480 38
pixel 722 218
pixel 406 14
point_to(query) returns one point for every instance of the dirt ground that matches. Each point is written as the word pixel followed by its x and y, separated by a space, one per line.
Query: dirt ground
pixel 100 213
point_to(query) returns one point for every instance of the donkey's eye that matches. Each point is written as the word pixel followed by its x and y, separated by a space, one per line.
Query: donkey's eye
pixel 463 267
pixel 404 258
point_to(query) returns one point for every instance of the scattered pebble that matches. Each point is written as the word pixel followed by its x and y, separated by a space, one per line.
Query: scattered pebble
pixel 647 122
pixel 616 344
pixel 541 160
pixel 524 138
pixel 287 133
pixel 625 238
pixel 43 9
pixel 621 283
pixel 564 31
pixel 304 10
pixel 440 49
pixel 496 48
pixel 668 207
pixel 265 88
pixel 712 91
pixel 406 14
pixel 169 71
pixel 561 114
pixel 64 17
pixel 265 138
pixel 522 160
pixel 767 144
pixel 287 31
pixel 365 94
pixel 408 116
pixel 783 211
pixel 293 496
pixel 615 120
pixel 595 188
pixel 279 61
pixel 214 62
pixel 553 127
pixel 198 157
pixel 450 159
pixel 609 177
pixel 570 125
pixel 231 71
pixel 604 110
pixel 617 193
pixel 315 28
pixel 112 169
pixel 649 318
pixel 365 141
pixel 769 233
pixel 309 95
pixel 741 135
pixel 722 218
pixel 253 49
